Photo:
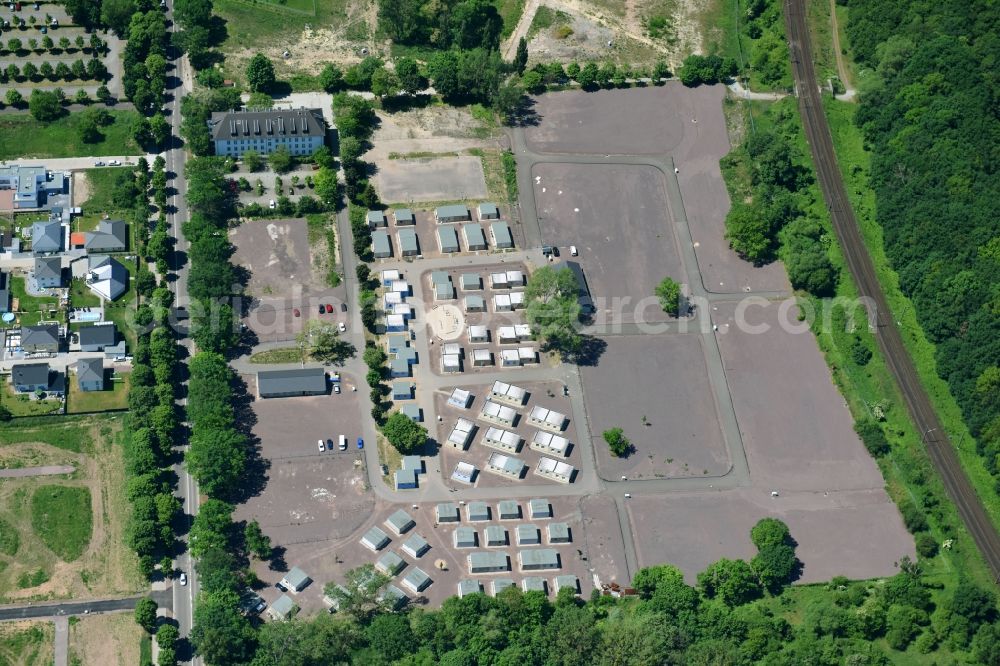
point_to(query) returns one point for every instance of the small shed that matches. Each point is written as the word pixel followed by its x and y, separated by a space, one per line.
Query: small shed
pixel 381 245
pixel 469 586
pixel 546 442
pixel 452 213
pixel 559 533
pixel 465 537
pixel 475 303
pixel 547 418
pixel 508 393
pixel 501 235
pixel 464 473
pixel 283 608
pixel 376 218
pixel 478 332
pixel 538 559
pixel 403 216
pixel 528 535
pixel 539 508
pixel 460 398
pixel 447 240
pixel 416 581
pixel 556 470
pixel 482 357
pixel 296 580
pixel 402 391
pixel 375 539
pixel 508 510
pixel 461 434
pixel 499 414
pixel 482 561
pixel 416 546
pixel 488 211
pixel 446 512
pixel 477 512
pixel 495 536
pixel 400 522
pixel 502 440
pixel 405 479
pixel 412 412
pixel 390 564
pixel 409 245
pixel 470 281
pixel 475 239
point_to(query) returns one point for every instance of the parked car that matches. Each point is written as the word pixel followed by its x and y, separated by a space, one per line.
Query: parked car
pixel 329 444
pixel 98 163
pixel 271 204
pixel 361 443
pixel 115 163
pixel 322 445
pixel 343 443
pixel 572 250
pixel 343 307
pixel 329 309
pixel 295 311
pixel 183 578
pixel 343 327
pixel 336 389
pixel 322 308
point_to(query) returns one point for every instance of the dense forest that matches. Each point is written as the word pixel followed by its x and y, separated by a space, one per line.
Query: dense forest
pixel 929 116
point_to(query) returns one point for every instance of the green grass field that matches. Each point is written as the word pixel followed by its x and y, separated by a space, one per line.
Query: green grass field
pixel 27 644
pixel 23 136
pixel 80 295
pixel 10 541
pixel 70 434
pixel 284 355
pixel 78 401
pixel 62 517
pixel 24 405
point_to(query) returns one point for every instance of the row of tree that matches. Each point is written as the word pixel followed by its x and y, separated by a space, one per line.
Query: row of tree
pixel 928 114
pixel 92 70
pixel 15 46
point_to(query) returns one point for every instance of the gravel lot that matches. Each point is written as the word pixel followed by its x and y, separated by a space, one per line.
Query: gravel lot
pixel 431 179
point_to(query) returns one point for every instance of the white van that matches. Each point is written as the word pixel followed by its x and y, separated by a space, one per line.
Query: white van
pixel 572 250
pixel 342 443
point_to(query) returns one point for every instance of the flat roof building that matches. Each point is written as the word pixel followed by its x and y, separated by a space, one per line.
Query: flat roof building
pixel 461 434
pixel 416 463
pixel 509 358
pixel 399 367
pixel 440 277
pixel 508 510
pixel 404 216
pixel 517 301
pixel 527 355
pixel 451 363
pixel 471 281
pixel 538 559
pixel 446 512
pixel 528 535
pixel 30 184
pixel 444 292
pixel 405 479
pixel 555 470
pixel 376 218
pixel 381 245
pixel 488 211
pixel 515 278
pixel 390 563
pixel 535 584
pixel 546 442
pixel 482 358
pixel 475 239
pixel 409 246
pixel 508 393
pixel 464 537
pixel 460 398
pixel 499 280
pixel 296 580
pixel 495 536
pixel 567 581
pixel 507 335
pixel 501 303
pixel 412 412
pixel 400 522
pixel 477 512
pixel 478 332
pixel 300 130
pixel 502 440
pixel 402 391
pixel 452 213
pixel 468 586
pixel 504 465
pixel 464 473
pixel 559 533
pixel 547 418
pixel 447 240
pixel 539 508
pixel 500 584
pixel 291 382
pixel 485 562
pixel 416 581
pixel 400 287
pixel 389 276
pixel 375 539
pixel 500 232
pixel 416 546
pixel 494 411
pixel 474 303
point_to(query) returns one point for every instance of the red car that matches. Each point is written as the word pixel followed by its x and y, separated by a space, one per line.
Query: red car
pixel 295 311
pixel 329 309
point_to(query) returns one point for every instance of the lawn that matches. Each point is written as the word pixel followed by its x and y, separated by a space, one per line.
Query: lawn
pixel 283 355
pixel 80 295
pixel 27 302
pixel 27 643
pixel 69 434
pixel 24 405
pixel 100 188
pixel 99 401
pixel 23 136
pixel 62 517
pixel 110 639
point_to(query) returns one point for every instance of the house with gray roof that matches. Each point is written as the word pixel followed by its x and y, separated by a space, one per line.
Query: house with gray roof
pixel 501 235
pixel 539 508
pixel 477 511
pixel 375 539
pixel 402 391
pixel 416 546
pixel 400 522
pixel 538 559
pixel 110 236
pixel 469 586
pixel 412 412
pixel 409 246
pixel 405 479
pixel 376 218
pixel 381 245
pixel 508 510
pixel 31 184
pixel 416 581
pixel 495 536
pixel 475 239
pixel 106 277
pixel 471 281
pixel 32 377
pixel 404 216
pixel 97 337
pixel 282 609
pixel 43 338
pixel 300 130
pixel 567 581
pixel 488 211
pixel 4 292
pixel 465 537
pixel 47 237
pixel 292 382
pixel 559 533
pixel 390 563
pixel 535 584
pixel 446 512
pixel 528 535
pixel 452 213
pixel 296 580
pixel 448 240
pixel 90 374
pixel 47 272
pixel 483 561
pixel 501 584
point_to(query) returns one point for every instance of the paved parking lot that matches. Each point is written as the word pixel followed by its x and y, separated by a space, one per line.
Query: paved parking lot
pixel 546 394
pixel 663 380
pixel 616 216
pixel 405 181
pixel 268 180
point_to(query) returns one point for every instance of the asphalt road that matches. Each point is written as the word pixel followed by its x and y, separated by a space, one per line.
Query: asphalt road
pixel 939 447
pixel 22 612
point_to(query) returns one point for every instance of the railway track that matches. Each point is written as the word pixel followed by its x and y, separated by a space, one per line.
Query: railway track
pixel 939 447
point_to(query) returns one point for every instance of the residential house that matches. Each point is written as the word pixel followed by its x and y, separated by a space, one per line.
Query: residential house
pixel 90 374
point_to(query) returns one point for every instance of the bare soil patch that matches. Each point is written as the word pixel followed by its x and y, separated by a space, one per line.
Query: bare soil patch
pixel 111 640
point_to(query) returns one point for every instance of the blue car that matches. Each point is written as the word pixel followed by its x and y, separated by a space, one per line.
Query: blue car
pixel 361 443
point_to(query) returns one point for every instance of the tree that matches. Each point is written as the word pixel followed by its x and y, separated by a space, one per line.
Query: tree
pixel 44 105
pixel 326 185
pixel 145 614
pixel 116 14
pixel 221 635
pixel 252 161
pixel 732 581
pixel 166 640
pixel 331 79
pixel 14 98
pixel 212 527
pixel 90 124
pixel 217 459
pixel 29 71
pixel 671 298
pixel 320 340
pixel 103 95
pixel 410 78
pixel 260 73
pixel 532 82
pixel 280 159
pixel 384 83
pixel 553 308
pixel 390 635
pixel 617 441
pixel 359 595
pixel 774 565
pixel 46 70
pixel 521 57
pixel 588 76
pixel 405 434
pixel 873 437
pixel 159 130
pixel 257 542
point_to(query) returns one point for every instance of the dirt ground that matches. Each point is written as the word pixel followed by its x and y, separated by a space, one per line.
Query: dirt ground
pixel 37 651
pixel 605 551
pixel 432 129
pixel 796 428
pixel 310 496
pixel 111 640
pixel 617 217
pixel 277 255
pixel 668 385
pixel 857 534
pixel 106 566
pixel 431 179
pixel 81 188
